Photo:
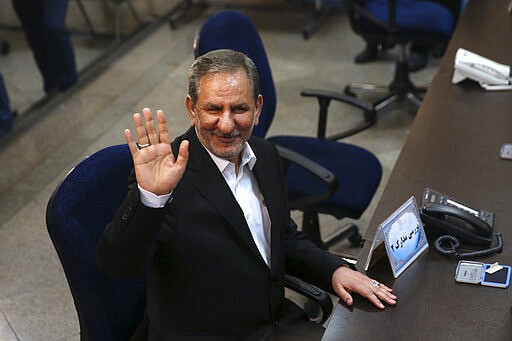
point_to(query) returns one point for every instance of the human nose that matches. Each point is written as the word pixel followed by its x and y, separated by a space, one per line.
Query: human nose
pixel 226 123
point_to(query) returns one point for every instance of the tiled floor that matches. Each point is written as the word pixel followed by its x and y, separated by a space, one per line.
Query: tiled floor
pixel 35 302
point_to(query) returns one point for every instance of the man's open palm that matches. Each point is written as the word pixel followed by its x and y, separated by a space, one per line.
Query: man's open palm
pixel 156 168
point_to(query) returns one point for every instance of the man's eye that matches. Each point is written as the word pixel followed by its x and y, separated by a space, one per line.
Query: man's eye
pixel 213 110
pixel 240 110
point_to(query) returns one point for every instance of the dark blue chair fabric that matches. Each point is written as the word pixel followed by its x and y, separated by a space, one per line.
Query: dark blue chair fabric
pixel 77 213
pixel 6 115
pixel 357 170
pixel 414 19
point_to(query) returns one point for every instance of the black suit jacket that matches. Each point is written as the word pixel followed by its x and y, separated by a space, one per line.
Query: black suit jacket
pixel 205 273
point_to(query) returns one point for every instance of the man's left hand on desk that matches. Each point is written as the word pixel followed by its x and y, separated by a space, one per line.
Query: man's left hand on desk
pixel 346 281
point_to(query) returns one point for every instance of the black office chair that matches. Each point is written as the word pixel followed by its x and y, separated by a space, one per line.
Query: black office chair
pixel 331 178
pixel 322 9
pixel 397 22
pixel 77 213
pixel 117 22
pixel 6 113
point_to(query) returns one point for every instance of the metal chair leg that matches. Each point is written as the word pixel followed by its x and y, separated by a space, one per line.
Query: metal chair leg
pixel 134 12
pixel 86 17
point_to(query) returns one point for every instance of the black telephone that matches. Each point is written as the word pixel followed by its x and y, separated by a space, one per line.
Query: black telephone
pixel 449 221
pixel 454 221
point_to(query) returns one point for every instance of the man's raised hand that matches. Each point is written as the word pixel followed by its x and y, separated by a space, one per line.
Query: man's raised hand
pixel 156 168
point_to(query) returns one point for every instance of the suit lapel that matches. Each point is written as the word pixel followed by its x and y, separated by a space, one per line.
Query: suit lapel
pixel 206 177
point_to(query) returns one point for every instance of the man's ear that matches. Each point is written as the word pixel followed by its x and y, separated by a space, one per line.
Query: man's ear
pixel 259 106
pixel 190 109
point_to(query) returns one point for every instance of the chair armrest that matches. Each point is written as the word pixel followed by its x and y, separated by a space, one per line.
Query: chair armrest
pixel 324 99
pixel 313 293
pixel 316 169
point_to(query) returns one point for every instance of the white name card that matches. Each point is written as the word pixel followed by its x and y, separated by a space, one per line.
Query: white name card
pixel 403 237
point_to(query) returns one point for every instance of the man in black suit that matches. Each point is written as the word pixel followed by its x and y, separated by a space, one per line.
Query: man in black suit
pixel 208 216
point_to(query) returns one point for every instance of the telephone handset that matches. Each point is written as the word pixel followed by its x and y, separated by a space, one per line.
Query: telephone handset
pixel 454 221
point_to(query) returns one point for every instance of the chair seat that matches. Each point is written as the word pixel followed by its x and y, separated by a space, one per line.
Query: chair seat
pixel 415 18
pixel 357 170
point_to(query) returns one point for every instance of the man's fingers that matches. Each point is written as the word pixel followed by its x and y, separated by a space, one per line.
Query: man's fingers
pixel 182 158
pixel 163 129
pixel 131 143
pixel 382 286
pixel 150 126
pixel 147 129
pixel 344 295
pixel 372 297
pixel 378 293
pixel 385 295
pixel 140 129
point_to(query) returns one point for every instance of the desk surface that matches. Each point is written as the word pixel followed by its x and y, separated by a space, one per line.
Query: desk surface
pixel 452 147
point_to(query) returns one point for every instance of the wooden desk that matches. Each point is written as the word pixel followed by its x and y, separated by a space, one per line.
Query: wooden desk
pixel 452 147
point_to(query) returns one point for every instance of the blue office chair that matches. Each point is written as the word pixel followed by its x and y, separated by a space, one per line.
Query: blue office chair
pixel 399 22
pixel 324 176
pixel 77 213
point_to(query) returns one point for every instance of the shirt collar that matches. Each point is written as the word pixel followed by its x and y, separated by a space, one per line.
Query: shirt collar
pixel 248 158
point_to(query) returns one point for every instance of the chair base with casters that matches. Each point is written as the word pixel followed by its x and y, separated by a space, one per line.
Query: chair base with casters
pixel 401 87
pixel 321 13
pixel 117 22
pixel 398 23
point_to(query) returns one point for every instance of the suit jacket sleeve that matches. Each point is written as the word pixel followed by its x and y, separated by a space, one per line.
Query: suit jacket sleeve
pixel 307 261
pixel 126 242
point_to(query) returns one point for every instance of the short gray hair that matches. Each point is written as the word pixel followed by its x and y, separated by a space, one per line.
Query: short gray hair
pixel 218 61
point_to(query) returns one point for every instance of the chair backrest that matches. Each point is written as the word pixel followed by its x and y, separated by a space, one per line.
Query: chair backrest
pixel 402 20
pixel 234 30
pixel 77 213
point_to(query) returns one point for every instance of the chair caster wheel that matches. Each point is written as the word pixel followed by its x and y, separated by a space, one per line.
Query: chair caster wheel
pixel 4 47
pixel 349 92
pixel 355 239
